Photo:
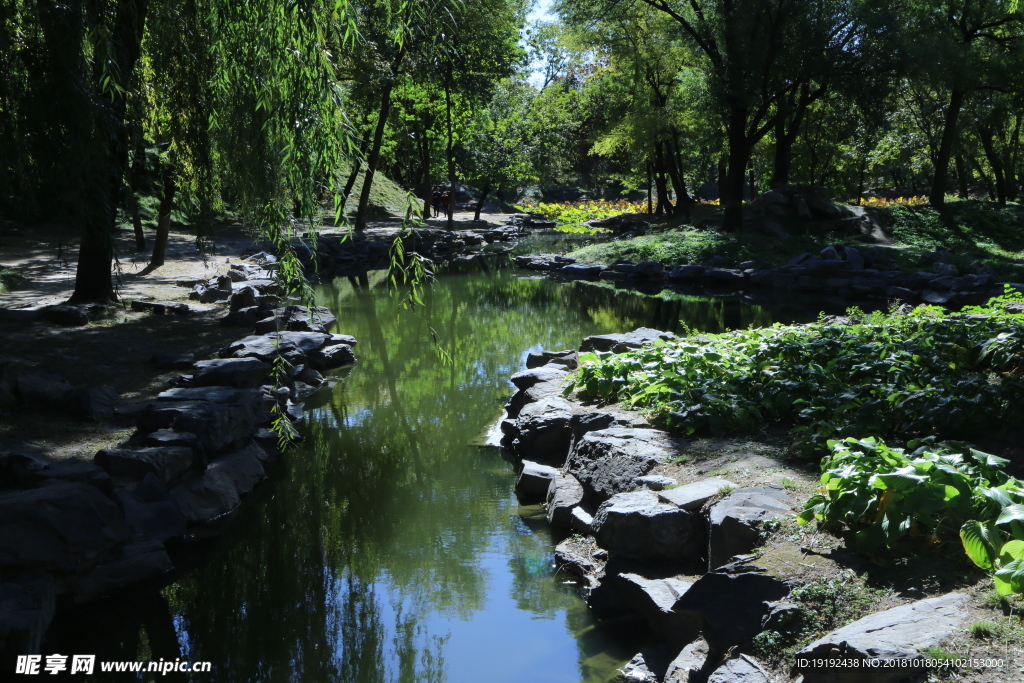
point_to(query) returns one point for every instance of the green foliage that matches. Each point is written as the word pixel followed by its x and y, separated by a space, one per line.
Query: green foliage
pixel 883 495
pixel 908 376
pixel 686 245
pixel 10 279
pixel 982 629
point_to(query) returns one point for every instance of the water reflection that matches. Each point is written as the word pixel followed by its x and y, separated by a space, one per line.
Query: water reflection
pixel 387 548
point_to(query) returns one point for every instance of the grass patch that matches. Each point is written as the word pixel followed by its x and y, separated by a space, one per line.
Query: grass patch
pixel 10 279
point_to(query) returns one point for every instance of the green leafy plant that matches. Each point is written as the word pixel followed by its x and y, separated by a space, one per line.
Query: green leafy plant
pixel 883 494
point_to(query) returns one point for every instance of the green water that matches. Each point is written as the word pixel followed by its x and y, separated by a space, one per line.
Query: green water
pixel 388 547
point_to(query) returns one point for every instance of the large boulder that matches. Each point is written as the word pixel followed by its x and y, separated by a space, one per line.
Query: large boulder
pixel 253 398
pixel 534 480
pixel 899 635
pixel 730 607
pixel 688 664
pixel 527 378
pixel 217 426
pixel 62 527
pixel 291 345
pixel 693 496
pixel 740 669
pixel 564 496
pixel 42 390
pixel 636 526
pixel 27 470
pixel 219 489
pixel 94 402
pixel 619 343
pixel 543 431
pixel 297 319
pixel 137 562
pixel 654 599
pixel 608 461
pixel 241 373
pixel 168 463
pixel 150 512
pixel 735 521
pixel 26 610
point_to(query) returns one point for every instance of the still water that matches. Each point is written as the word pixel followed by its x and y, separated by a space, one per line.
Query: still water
pixel 388 547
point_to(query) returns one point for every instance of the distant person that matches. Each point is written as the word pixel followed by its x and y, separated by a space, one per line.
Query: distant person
pixel 446 205
pixel 435 201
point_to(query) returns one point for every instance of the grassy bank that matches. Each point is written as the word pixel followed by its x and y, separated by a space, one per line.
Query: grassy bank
pixel 973 232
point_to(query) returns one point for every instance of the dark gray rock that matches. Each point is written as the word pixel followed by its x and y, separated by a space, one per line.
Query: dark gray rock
pixel 608 461
pixel 901 293
pixel 27 470
pixel 656 482
pixel 581 521
pixel 96 402
pixel 543 431
pixel 619 343
pixel 724 275
pixel 654 600
pixel 65 528
pixel 740 669
pixel 730 607
pixel 854 259
pixel 648 270
pixel 149 512
pixel 564 495
pixel 937 298
pixel 243 373
pixel 211 295
pixel 330 357
pixel 219 489
pixel 693 496
pixel 800 260
pixel 688 664
pixel 157 308
pixel 243 297
pixel 534 480
pixel 900 634
pixel 582 271
pixel 217 426
pixel 137 562
pixel 754 265
pixel 168 463
pixel 735 521
pixel 590 422
pixel 527 378
pixel 26 610
pixel 686 273
pixel 576 560
pixel 830 254
pixel 252 398
pixel 636 526
pixel 297 319
pixel 39 390
pixel 64 314
pixel 173 361
pixel 946 269
pixel 567 359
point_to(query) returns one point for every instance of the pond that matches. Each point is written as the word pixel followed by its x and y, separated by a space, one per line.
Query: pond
pixel 389 547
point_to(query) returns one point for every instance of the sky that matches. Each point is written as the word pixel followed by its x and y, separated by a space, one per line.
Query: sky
pixel 541 10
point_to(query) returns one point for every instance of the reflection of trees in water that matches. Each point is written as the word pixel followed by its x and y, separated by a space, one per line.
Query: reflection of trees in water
pixel 383 515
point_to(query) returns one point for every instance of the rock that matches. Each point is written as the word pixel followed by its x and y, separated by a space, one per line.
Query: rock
pixel 854 259
pixel 210 295
pixel 534 480
pixel 237 275
pixel 830 254
pixel 253 398
pixel 527 378
pixel 608 461
pixel 245 373
pixel 571 559
pixel 648 270
pixel 149 512
pixel 28 470
pixel 582 271
pixel 330 357
pixel 754 265
pixel 64 314
pixel 800 260
pixel 568 359
pixel 95 402
pixel 538 392
pixel 636 526
pixel 243 297
pixel 654 599
pixel 654 482
pixel 26 610
pixel 946 269
pixel 803 211
pixel 735 521
pixel 900 634
pixel 219 489
pixel 137 562
pixel 724 274
pixel 901 293
pixel 157 308
pixel 63 527
pixel 581 521
pixel 564 494
pixel 582 423
pixel 937 298
pixel 288 344
pixel 780 616
pixel 173 361
pixel 40 390
pixel 686 273
pixel 740 669
pixel 688 663
pixel 297 319
pixel 168 463
pixel 216 426
pixel 730 607
pixel 543 430
pixel 619 343
pixel 693 496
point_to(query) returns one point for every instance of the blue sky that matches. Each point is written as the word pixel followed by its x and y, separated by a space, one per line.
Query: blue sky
pixel 541 10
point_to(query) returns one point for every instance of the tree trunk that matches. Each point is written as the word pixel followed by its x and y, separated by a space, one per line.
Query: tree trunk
pixel 995 161
pixel 480 204
pixel 448 150
pixel 131 181
pixel 428 188
pixel 961 175
pixel 739 157
pixel 373 158
pixel 650 196
pixel 938 194
pixel 163 221
pixel 94 276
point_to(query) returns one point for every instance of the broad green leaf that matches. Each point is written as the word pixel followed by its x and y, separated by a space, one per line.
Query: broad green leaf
pixel 1011 513
pixel 981 543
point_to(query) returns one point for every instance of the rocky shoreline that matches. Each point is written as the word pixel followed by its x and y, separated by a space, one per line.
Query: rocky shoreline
pixel 680 557
pixel 73 531
pixel 842 271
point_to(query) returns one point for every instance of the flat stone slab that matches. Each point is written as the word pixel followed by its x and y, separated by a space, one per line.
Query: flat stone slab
pixel 166 462
pixel 693 496
pixel 225 395
pixel 901 634
pixel 735 521
pixel 619 343
pixel 527 378
pixel 243 373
